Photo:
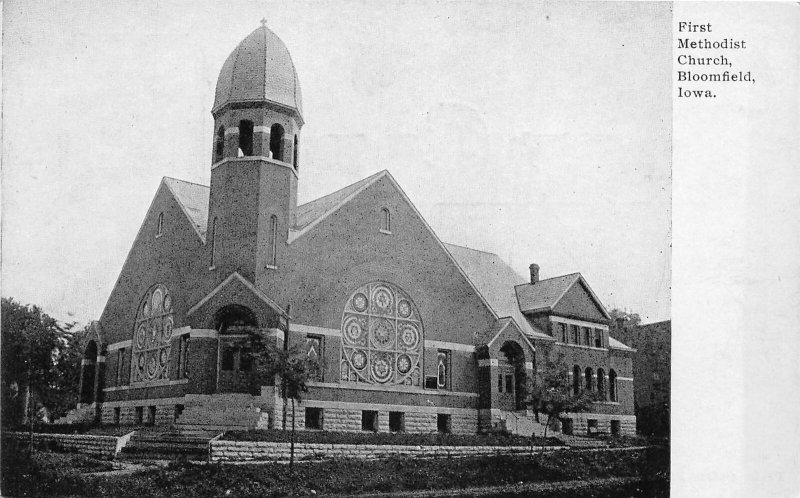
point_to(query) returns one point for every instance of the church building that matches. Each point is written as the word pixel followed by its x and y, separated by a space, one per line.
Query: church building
pixel 409 333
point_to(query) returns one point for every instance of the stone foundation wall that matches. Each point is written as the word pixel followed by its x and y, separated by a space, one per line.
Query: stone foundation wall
pixel 349 420
pixel 222 450
pixel 101 446
pixel 580 423
pixel 164 416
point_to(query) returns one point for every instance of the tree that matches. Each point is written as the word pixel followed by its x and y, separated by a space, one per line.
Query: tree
pixel 555 396
pixel 39 362
pixel 628 319
pixel 288 368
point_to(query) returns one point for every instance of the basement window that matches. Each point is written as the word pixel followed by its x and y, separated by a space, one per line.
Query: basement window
pixel 396 421
pixel 369 421
pixel 313 418
pixel 443 424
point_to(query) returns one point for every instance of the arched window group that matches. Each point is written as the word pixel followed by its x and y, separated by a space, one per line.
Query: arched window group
pixel 246 143
pixel 587 380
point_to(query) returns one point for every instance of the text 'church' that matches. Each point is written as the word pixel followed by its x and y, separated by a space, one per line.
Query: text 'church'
pixel 409 333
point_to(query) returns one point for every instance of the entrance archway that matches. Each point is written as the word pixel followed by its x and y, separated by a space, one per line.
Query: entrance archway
pixel 88 394
pixel 516 359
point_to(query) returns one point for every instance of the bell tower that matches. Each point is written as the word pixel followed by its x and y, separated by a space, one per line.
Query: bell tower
pixel 255 159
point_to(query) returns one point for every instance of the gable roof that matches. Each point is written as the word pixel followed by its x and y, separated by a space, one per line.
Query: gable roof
pixel 235 277
pixel 615 344
pixel 315 211
pixel 495 281
pixel 193 199
pixel 545 294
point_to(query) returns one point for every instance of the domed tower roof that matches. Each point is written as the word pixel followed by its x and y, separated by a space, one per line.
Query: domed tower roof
pixel 259 69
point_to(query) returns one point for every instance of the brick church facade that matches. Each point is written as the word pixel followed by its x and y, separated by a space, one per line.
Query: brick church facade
pixel 409 333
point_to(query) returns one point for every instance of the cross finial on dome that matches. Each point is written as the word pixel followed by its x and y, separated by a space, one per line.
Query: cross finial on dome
pixel 264 22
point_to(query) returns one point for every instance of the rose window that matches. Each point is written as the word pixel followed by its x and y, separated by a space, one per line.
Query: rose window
pixel 381 337
pixel 151 337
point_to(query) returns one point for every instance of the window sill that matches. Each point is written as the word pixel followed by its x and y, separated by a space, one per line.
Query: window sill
pixel 387 232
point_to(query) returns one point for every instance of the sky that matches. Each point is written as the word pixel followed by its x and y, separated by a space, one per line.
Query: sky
pixel 538 131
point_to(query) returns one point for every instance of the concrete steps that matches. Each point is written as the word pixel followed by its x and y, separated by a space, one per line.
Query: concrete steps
pixel 522 424
pixel 166 446
pixel 78 415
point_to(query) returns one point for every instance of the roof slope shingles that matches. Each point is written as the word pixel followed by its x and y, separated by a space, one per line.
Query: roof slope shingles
pixel 193 198
pixel 495 280
pixel 544 294
pixel 504 290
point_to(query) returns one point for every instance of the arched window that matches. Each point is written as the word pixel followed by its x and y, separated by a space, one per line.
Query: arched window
pixel 294 151
pixel 246 137
pixel 213 243
pixel 152 337
pixel 276 142
pixel 576 380
pixel 235 319
pixel 588 375
pixel 272 259
pixel 382 337
pixel 601 383
pixel 386 221
pixel 219 145
pixel 612 385
pixel 160 228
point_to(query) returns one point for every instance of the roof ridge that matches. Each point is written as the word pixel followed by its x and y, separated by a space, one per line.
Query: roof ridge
pixel 185 181
pixel 343 188
pixel 471 248
pixel 551 278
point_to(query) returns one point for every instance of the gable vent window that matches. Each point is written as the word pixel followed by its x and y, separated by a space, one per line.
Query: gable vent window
pixel 386 221
pixel 160 228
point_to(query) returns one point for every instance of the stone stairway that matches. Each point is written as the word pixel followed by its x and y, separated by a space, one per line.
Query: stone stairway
pixel 80 415
pixel 220 412
pixel 522 424
pixel 166 445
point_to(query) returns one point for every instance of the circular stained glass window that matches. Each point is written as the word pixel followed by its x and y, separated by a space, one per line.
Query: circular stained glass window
pixel 382 337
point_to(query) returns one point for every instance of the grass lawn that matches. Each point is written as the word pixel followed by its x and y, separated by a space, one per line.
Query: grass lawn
pixel 53 474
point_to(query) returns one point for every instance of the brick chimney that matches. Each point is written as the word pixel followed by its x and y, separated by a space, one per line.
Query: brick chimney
pixel 534 272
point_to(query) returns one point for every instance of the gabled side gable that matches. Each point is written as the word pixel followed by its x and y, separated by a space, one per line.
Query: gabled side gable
pixel 236 290
pixel 168 259
pixel 580 302
pixel 348 247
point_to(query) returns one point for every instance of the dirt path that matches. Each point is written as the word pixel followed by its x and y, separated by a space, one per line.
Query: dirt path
pixel 522 489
